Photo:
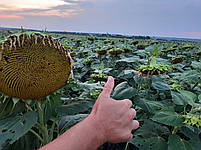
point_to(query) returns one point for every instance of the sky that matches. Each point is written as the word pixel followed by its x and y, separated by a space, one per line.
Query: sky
pixel 166 18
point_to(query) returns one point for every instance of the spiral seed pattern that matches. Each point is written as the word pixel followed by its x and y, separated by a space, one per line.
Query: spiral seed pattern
pixel 32 66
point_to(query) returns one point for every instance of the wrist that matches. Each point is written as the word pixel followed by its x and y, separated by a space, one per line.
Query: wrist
pixel 96 129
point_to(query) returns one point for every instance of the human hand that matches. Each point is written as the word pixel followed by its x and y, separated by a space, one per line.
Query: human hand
pixel 113 119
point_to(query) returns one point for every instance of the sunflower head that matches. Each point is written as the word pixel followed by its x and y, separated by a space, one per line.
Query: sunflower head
pixel 32 65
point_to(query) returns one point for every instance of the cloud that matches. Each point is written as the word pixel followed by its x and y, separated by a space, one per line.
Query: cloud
pixel 11 17
pixel 16 9
pixel 59 13
pixel 31 4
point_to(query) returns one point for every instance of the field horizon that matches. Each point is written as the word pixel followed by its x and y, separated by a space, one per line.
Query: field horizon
pixel 165 38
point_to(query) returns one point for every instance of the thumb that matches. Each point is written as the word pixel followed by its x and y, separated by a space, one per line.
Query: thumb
pixel 107 90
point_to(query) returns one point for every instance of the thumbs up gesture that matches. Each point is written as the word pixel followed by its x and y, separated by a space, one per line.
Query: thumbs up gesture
pixel 113 119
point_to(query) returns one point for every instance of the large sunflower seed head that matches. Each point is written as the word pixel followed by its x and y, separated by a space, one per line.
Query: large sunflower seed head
pixel 32 65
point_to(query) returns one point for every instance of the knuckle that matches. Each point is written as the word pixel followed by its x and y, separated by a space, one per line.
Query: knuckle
pixel 128 103
pixel 132 114
pixel 128 137
pixel 131 136
pixel 107 87
pixel 135 124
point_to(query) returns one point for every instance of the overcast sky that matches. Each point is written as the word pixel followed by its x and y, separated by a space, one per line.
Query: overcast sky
pixel 176 18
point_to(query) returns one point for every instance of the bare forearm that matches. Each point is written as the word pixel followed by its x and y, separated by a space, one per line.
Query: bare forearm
pixel 83 136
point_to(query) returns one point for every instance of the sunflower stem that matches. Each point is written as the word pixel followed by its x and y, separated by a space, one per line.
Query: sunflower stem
pixel 126 148
pixel 42 125
pixel 52 129
pixel 37 135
